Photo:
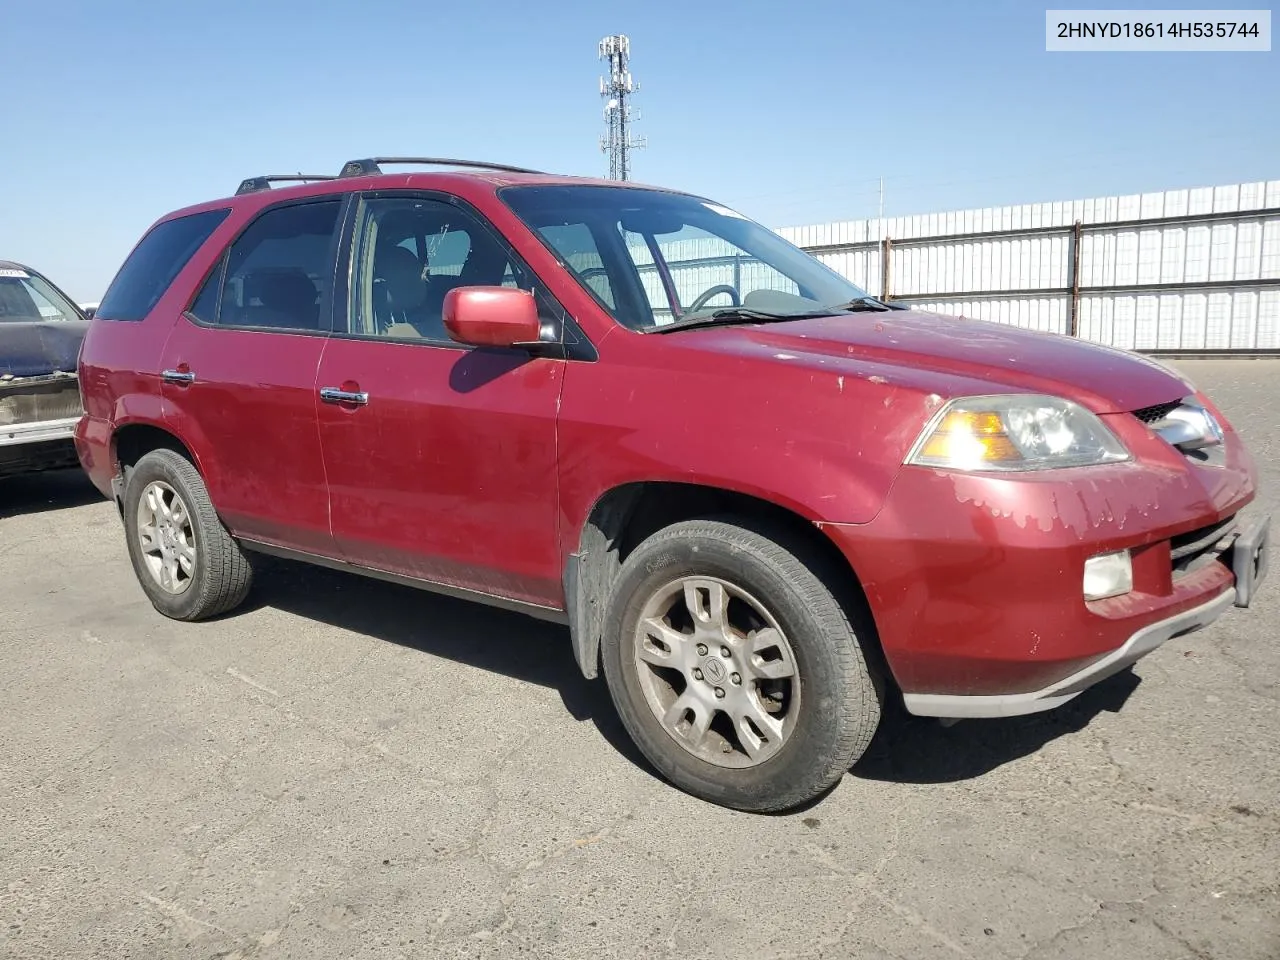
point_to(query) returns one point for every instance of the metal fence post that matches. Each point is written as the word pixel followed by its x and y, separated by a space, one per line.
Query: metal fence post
pixel 1077 230
pixel 886 251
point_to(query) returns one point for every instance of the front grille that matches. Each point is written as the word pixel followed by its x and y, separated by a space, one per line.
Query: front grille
pixel 1158 412
pixel 1194 549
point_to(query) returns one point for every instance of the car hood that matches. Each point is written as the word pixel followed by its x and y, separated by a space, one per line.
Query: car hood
pixel 36 349
pixel 1009 358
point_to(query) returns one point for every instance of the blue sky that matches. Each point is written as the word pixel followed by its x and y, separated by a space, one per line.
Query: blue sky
pixel 120 111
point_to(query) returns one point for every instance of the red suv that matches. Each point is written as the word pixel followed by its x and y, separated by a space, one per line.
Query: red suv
pixel 762 501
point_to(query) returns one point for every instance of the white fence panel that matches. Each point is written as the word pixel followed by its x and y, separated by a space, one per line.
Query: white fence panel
pixel 1208 282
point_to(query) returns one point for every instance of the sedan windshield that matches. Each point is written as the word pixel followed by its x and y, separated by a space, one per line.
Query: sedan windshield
pixel 655 259
pixel 27 298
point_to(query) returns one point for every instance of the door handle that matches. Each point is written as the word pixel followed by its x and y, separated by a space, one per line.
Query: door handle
pixel 334 395
pixel 177 376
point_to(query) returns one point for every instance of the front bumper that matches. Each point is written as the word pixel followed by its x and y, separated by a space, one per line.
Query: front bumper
pixel 975 583
pixel 1056 694
pixel 1248 555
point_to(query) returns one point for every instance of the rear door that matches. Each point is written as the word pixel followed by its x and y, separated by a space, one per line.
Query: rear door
pixel 239 375
pixel 445 468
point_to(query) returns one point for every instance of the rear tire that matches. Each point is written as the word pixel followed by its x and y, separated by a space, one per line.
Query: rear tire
pixel 735 669
pixel 187 563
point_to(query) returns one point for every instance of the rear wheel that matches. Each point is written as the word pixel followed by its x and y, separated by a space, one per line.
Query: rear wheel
pixel 187 563
pixel 734 668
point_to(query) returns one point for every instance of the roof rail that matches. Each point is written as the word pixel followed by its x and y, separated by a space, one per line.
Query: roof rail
pixel 373 165
pixel 254 184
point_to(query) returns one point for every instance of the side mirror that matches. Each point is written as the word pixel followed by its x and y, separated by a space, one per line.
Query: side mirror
pixel 491 316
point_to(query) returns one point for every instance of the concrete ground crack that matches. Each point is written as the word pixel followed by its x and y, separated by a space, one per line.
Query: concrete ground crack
pixel 175 912
pixel 515 877
pixel 1042 945
pixel 1182 941
pixel 1108 752
pixel 917 920
pixel 1099 908
pixel 1249 674
pixel 862 883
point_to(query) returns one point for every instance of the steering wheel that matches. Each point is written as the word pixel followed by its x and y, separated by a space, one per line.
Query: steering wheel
pixel 706 295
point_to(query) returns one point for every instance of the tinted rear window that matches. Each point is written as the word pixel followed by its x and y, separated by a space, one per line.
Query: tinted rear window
pixel 157 259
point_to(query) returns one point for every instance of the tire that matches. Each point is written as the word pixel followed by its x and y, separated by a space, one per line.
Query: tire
pixel 216 575
pixel 820 735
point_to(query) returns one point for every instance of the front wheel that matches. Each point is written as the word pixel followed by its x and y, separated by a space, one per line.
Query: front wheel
pixel 734 668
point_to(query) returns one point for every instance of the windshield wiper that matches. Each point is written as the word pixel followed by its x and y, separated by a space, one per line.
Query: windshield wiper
pixel 862 303
pixel 735 315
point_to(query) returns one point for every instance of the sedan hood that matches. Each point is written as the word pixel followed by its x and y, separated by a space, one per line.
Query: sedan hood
pixel 36 349
pixel 1103 379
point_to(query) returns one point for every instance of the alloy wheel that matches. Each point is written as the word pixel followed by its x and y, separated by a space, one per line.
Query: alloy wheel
pixel 717 671
pixel 166 536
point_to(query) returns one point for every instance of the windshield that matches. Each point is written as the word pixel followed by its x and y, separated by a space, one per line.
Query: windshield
pixel 653 258
pixel 26 298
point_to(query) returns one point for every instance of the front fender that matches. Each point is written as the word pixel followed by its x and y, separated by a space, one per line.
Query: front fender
pixel 824 446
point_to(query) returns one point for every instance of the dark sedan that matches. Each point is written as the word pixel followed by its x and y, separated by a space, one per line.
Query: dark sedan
pixel 41 330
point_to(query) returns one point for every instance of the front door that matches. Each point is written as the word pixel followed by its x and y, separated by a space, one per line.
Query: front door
pixel 239 375
pixel 441 458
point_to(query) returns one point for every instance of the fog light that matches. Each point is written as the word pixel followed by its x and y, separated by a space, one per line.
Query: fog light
pixel 1108 575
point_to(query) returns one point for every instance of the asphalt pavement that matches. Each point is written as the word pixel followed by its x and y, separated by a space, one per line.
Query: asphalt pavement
pixel 352 769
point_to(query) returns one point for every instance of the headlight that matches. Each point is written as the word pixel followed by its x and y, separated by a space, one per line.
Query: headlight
pixel 1015 432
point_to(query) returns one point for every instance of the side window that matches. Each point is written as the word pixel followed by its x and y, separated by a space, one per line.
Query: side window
pixel 577 247
pixel 205 308
pixel 278 274
pixel 409 253
pixel 154 262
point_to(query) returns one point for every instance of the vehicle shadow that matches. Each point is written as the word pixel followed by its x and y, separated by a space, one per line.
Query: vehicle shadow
pixel 50 490
pixel 909 749
pixel 470 633
pixel 906 749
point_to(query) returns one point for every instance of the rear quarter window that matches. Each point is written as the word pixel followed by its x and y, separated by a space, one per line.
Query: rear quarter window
pixel 154 262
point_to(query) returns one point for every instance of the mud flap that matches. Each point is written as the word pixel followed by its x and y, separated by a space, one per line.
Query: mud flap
pixel 582 627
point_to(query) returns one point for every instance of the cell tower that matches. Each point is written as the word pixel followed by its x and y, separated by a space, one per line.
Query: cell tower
pixel 616 89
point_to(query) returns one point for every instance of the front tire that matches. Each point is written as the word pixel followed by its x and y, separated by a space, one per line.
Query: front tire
pixel 187 563
pixel 735 669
